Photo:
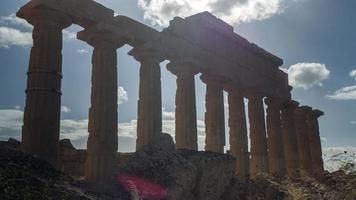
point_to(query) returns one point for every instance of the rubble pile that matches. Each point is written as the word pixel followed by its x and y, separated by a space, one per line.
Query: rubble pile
pixel 159 171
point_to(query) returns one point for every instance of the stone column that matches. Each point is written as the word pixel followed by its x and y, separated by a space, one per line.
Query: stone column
pixel 238 131
pixel 314 142
pixel 214 115
pixel 40 131
pixel 186 116
pixel 290 139
pixel 301 129
pixel 259 153
pixel 102 144
pixel 149 122
pixel 274 132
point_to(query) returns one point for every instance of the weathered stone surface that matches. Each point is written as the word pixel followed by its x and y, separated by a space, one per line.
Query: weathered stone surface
pixel 186 174
pixel 72 161
pixel 23 176
pixel 149 121
pixel 263 187
pixel 40 132
pixel 314 142
pixel 238 131
pixel 274 132
pixel 290 139
pixel 82 12
pixel 223 56
pixel 259 154
pixel 222 46
pixel 210 33
pixel 186 116
pixel 215 172
pixel 214 115
pixel 164 167
pixel 101 163
pixel 11 143
pixel 301 129
pixel 28 177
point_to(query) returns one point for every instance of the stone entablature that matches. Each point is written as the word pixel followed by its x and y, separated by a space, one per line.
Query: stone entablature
pixel 216 36
pixel 234 55
pixel 199 44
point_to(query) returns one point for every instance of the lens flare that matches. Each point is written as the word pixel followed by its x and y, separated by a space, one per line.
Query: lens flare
pixel 142 188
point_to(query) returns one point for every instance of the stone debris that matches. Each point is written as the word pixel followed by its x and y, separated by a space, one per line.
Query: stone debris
pixel 183 174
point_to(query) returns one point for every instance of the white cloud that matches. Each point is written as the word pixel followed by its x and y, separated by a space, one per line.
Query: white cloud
pixel 77 130
pixel 128 130
pixel 13 20
pixel 65 109
pixel 306 75
pixel 82 51
pixel 166 115
pixel 67 35
pixel 159 12
pixel 14 37
pixel 353 74
pixel 10 122
pixel 353 122
pixel 74 129
pixel 346 93
pixel 122 95
pixel 284 69
pixel 10 36
pixel 17 107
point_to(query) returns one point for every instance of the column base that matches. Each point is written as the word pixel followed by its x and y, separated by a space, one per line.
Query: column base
pixel 293 172
pixel 258 164
pixel 99 169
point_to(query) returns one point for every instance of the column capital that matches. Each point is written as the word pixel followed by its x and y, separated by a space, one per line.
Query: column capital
pixel 255 97
pixel 315 114
pixel 232 87
pixel 100 38
pixel 183 67
pixel 211 79
pixel 36 16
pixel 290 104
pixel 289 88
pixel 273 101
pixel 147 53
pixel 302 110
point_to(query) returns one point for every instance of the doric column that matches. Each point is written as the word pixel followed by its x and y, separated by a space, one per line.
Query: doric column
pixel 40 131
pixel 274 132
pixel 259 154
pixel 214 115
pixel 290 139
pixel 149 121
pixel 238 130
pixel 314 142
pixel 102 144
pixel 301 130
pixel 186 115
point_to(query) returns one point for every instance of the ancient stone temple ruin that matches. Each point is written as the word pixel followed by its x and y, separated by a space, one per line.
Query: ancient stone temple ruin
pixel 286 142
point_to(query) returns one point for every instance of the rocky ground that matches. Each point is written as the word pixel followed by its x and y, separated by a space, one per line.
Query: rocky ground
pixel 334 186
pixel 25 177
pixel 160 172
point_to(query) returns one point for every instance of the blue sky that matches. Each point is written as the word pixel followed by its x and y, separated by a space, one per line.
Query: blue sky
pixel 315 38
